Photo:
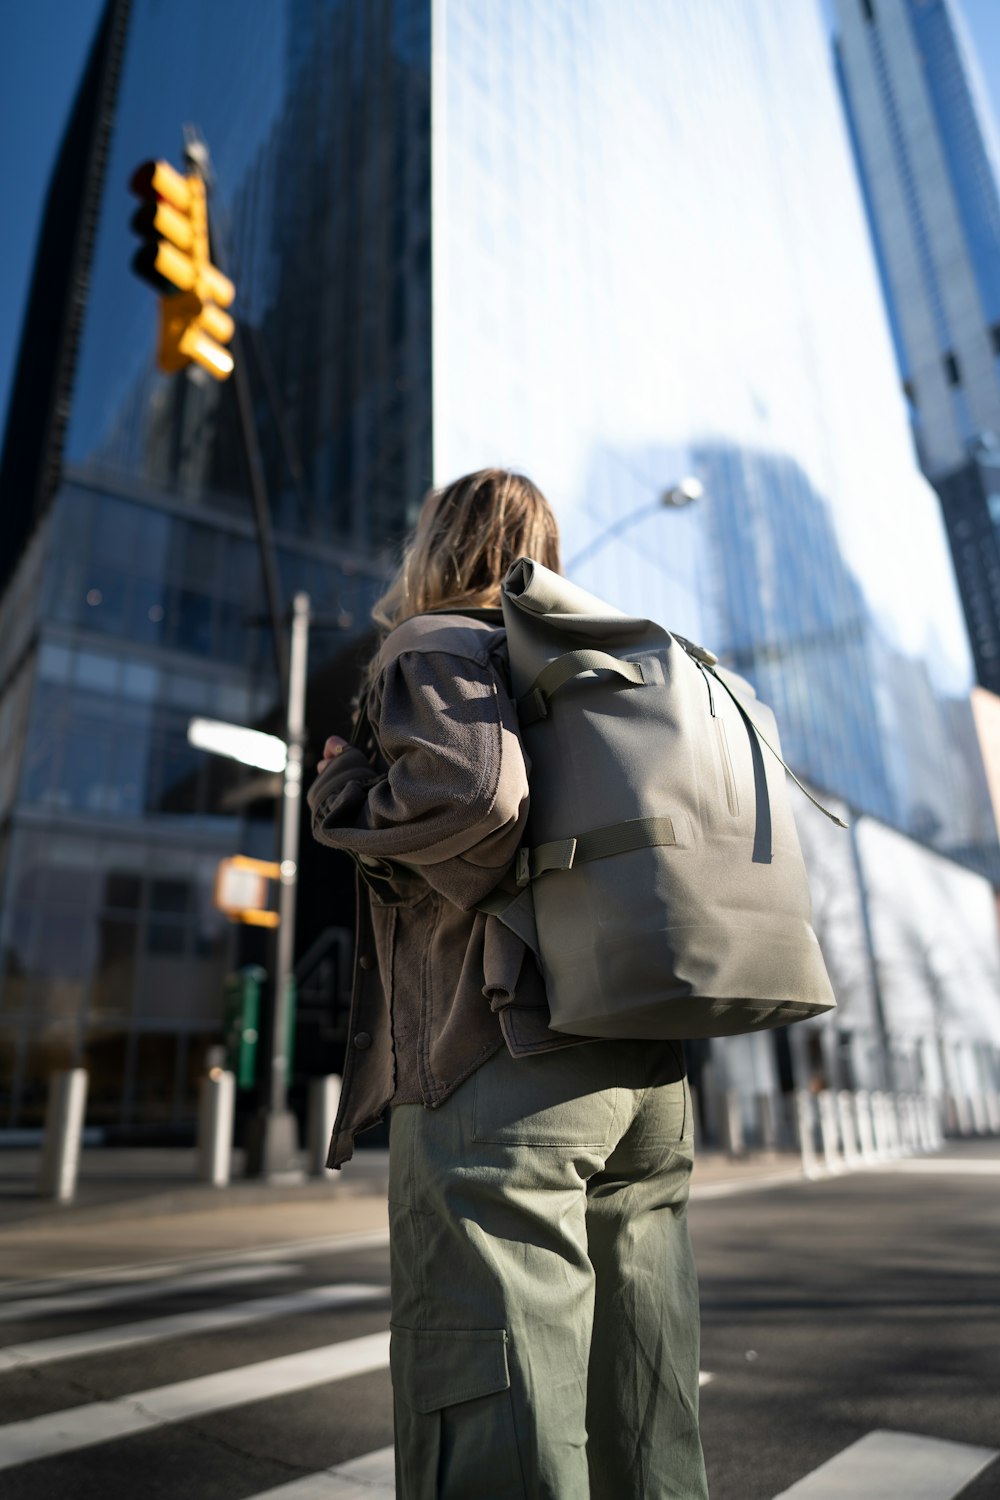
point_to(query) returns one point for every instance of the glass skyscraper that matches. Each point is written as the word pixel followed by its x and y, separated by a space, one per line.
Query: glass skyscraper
pixel 612 244
pixel 929 162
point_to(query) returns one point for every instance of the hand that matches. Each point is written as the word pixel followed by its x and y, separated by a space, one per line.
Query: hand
pixel 334 746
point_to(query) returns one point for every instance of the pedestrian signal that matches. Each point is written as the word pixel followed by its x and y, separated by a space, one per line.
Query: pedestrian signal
pixel 175 259
pixel 242 889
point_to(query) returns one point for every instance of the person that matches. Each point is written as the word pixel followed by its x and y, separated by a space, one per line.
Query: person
pixel 544 1301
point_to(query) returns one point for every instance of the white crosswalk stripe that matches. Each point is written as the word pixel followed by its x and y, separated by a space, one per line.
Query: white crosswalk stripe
pixel 338 1244
pixel 371 1477
pixel 152 1330
pixel 894 1466
pixel 85 1301
pixel 141 1411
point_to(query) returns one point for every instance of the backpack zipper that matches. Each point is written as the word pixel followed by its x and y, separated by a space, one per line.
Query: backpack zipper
pixel 732 800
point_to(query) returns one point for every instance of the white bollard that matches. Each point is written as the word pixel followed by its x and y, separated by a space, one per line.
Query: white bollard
pixel 324 1100
pixel 866 1132
pixel 977 1108
pixel 804 1124
pixel 915 1124
pixel 64 1114
pixel 732 1120
pixel 880 1126
pixel 925 1122
pixel 830 1131
pixel 848 1134
pixel 908 1132
pixel 962 1114
pixel 767 1125
pixel 216 1109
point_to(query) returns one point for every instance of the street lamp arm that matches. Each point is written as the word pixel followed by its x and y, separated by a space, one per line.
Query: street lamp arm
pixel 615 529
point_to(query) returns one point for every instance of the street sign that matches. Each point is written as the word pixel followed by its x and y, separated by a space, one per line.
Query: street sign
pixel 242 889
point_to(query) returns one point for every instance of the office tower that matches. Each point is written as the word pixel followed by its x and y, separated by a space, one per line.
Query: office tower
pixel 927 154
pixel 612 246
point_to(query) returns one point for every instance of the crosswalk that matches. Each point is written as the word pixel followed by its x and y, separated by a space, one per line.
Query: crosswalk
pixel 268 1380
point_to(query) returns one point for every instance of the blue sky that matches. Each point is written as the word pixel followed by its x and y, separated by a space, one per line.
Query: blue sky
pixel 46 44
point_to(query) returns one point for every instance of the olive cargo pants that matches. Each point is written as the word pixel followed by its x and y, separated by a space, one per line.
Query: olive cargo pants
pixel 545 1332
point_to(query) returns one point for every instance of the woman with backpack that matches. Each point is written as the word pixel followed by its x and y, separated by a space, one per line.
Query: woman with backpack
pixel 545 1331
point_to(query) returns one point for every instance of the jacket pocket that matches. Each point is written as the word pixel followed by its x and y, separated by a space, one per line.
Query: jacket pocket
pixel 454 1422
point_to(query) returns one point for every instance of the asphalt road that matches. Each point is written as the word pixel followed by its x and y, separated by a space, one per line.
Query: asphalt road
pixel 832 1310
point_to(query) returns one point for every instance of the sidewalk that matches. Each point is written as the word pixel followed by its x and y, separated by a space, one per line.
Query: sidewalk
pixel 143 1207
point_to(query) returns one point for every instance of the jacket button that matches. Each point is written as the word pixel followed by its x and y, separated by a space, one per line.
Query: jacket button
pixel 366 962
pixel 362 1040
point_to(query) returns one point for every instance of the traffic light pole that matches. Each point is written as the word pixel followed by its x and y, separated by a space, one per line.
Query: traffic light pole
pixel 272 1143
pixel 291 819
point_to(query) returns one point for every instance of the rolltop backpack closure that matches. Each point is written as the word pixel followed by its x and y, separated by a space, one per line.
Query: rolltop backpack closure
pixel 668 887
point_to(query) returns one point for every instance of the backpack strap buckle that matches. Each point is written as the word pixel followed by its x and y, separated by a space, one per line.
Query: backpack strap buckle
pixel 558 855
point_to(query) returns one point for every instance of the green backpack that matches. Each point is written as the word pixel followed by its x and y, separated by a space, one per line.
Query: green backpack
pixel 662 886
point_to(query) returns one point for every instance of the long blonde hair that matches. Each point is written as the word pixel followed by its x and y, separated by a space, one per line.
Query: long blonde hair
pixel 466 537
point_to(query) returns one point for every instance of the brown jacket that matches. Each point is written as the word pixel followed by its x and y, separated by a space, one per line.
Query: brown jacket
pixel 434 822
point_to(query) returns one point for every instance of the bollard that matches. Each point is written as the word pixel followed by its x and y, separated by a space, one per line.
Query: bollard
pixel 324 1099
pixel 216 1107
pixel 848 1134
pixel 961 1114
pixel 924 1107
pixel 804 1123
pixel 933 1128
pixel 866 1132
pixel 767 1125
pixel 829 1132
pixel 879 1127
pixel 64 1113
pixel 904 1113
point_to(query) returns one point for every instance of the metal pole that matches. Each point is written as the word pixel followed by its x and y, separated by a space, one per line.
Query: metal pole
pixel 291 813
pixel 197 156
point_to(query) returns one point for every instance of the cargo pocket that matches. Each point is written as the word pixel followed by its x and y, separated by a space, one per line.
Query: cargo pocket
pixel 454 1422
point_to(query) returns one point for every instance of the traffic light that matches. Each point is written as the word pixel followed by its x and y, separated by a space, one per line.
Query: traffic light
pixel 242 889
pixel 175 259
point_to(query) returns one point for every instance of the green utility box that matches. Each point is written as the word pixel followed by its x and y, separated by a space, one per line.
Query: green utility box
pixel 243 992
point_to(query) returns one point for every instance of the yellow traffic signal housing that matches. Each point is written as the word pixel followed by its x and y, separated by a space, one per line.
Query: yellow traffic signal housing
pixel 242 888
pixel 175 259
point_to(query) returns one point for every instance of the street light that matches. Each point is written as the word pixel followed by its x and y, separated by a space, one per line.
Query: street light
pixel 249 746
pixel 684 492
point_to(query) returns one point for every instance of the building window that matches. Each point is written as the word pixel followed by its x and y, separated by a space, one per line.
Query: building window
pixel 951 370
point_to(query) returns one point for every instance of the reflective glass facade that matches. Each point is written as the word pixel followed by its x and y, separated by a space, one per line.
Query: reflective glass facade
pixel 136 605
pixel 651 260
pixel 926 153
